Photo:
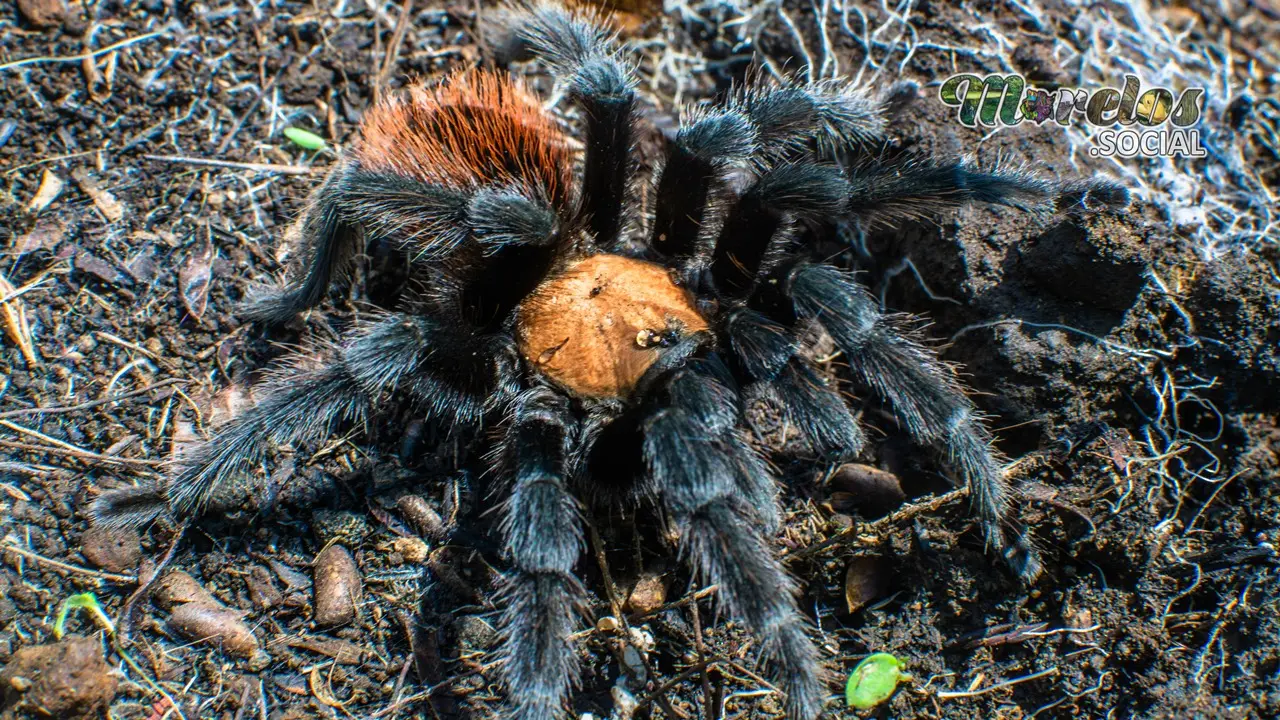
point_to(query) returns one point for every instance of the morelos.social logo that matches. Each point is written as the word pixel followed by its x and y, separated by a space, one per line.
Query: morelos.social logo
pixel 1152 123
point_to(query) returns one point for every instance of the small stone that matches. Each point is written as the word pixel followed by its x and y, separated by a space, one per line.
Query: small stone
pixel 474 633
pixel 178 588
pixel 263 592
pixel 338 586
pixel 413 549
pixel 649 594
pixel 870 491
pixel 68 680
pixel 113 550
pixel 220 625
pixel 421 516
pixel 43 13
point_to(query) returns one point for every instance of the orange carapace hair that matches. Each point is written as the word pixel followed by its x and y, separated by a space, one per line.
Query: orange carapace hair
pixel 474 128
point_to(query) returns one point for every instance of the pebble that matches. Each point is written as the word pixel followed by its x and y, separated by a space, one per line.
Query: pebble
pixel 43 13
pixel 421 516
pixel 263 592
pixel 869 490
pixel 67 679
pixel 113 550
pixel 649 594
pixel 226 627
pixel 338 587
pixel 178 588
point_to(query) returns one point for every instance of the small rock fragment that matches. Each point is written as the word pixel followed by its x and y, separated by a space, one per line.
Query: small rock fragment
pixel 421 516
pixel 43 13
pixel 226 627
pixel 46 235
pixel 68 680
pixel 474 633
pixel 871 491
pixel 864 581
pixel 177 588
pixel 412 548
pixel 114 550
pixel 649 594
pixel 292 578
pixel 263 593
pixel 338 587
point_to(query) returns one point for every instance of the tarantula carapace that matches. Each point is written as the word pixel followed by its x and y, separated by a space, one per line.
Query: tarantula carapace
pixel 610 349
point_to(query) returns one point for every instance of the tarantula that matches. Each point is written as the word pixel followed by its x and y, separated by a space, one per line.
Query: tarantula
pixel 611 351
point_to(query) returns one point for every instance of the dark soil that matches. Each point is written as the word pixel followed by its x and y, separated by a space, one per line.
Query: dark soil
pixel 1134 387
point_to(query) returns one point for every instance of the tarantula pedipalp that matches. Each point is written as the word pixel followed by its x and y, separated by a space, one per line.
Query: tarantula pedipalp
pixel 615 361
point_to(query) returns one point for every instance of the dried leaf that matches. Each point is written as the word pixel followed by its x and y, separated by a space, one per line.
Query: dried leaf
pixel 14 315
pixel 101 269
pixel 47 233
pixel 193 280
pixel 50 188
pixel 320 689
pixel 106 203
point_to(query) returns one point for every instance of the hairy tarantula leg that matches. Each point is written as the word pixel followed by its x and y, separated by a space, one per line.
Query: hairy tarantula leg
pixel 703 151
pixel 755 227
pixel 692 469
pixel 882 192
pixel 767 352
pixel 454 374
pixel 328 245
pixel 831 115
pixel 543 533
pixel 922 392
pixel 426 221
pixel 580 50
pixel 764 124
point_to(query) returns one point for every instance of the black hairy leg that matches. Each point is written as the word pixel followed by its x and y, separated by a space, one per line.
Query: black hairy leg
pixel 542 533
pixel 582 53
pixel 922 392
pixel 454 375
pixel 695 459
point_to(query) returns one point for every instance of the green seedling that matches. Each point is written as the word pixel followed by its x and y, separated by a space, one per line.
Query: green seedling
pixel 83 601
pixel 303 139
pixel 874 680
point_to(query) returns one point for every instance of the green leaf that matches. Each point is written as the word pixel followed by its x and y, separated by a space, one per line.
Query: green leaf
pixel 874 680
pixel 84 601
pixel 304 139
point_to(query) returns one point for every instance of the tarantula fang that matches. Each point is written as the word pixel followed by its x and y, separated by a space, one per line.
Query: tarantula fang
pixel 612 351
